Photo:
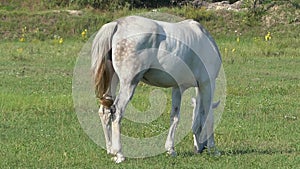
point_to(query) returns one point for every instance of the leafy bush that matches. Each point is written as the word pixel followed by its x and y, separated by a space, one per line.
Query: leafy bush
pixel 109 4
pixel 198 14
pixel 230 1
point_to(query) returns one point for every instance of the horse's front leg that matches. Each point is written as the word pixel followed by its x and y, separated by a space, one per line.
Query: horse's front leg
pixel 198 121
pixel 207 93
pixel 174 120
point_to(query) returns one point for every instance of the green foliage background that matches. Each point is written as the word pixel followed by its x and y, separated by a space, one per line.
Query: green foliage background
pixel 109 4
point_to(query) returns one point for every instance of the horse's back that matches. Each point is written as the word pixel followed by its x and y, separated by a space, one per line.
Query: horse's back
pixel 162 45
pixel 138 26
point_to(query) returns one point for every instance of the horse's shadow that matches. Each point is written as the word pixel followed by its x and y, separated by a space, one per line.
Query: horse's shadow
pixel 240 152
pixel 256 151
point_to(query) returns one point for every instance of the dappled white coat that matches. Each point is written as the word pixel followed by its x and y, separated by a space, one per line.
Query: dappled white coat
pixel 165 45
pixel 178 55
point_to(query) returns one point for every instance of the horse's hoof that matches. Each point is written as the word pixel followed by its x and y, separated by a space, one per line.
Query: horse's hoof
pixel 108 151
pixel 118 158
pixel 214 152
pixel 199 150
pixel 172 153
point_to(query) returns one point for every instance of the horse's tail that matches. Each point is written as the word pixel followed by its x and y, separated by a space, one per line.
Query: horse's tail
pixel 101 51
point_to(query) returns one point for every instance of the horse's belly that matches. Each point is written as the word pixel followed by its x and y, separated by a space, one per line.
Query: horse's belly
pixel 156 77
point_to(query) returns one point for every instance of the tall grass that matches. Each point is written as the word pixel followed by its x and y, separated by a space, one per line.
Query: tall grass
pixel 259 127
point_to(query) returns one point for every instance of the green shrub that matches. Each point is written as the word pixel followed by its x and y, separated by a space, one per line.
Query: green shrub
pixel 108 4
pixel 198 14
pixel 230 1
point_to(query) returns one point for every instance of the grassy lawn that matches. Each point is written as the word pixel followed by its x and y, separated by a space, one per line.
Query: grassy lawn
pixel 259 127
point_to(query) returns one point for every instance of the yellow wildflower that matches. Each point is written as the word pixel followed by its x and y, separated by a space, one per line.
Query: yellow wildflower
pixel 238 39
pixel 24 29
pixel 22 39
pixel 83 33
pixel 233 50
pixel 61 40
pixel 268 36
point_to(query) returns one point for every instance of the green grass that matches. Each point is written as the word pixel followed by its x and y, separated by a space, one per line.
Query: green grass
pixel 39 128
pixel 259 127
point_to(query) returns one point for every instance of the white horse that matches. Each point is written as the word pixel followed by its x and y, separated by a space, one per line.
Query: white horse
pixel 178 55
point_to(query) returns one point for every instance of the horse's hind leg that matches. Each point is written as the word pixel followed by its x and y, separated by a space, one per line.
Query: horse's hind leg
pixel 105 111
pixel 174 120
pixel 127 88
pixel 105 116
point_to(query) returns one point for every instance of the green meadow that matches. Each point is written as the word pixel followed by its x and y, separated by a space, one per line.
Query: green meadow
pixel 40 129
